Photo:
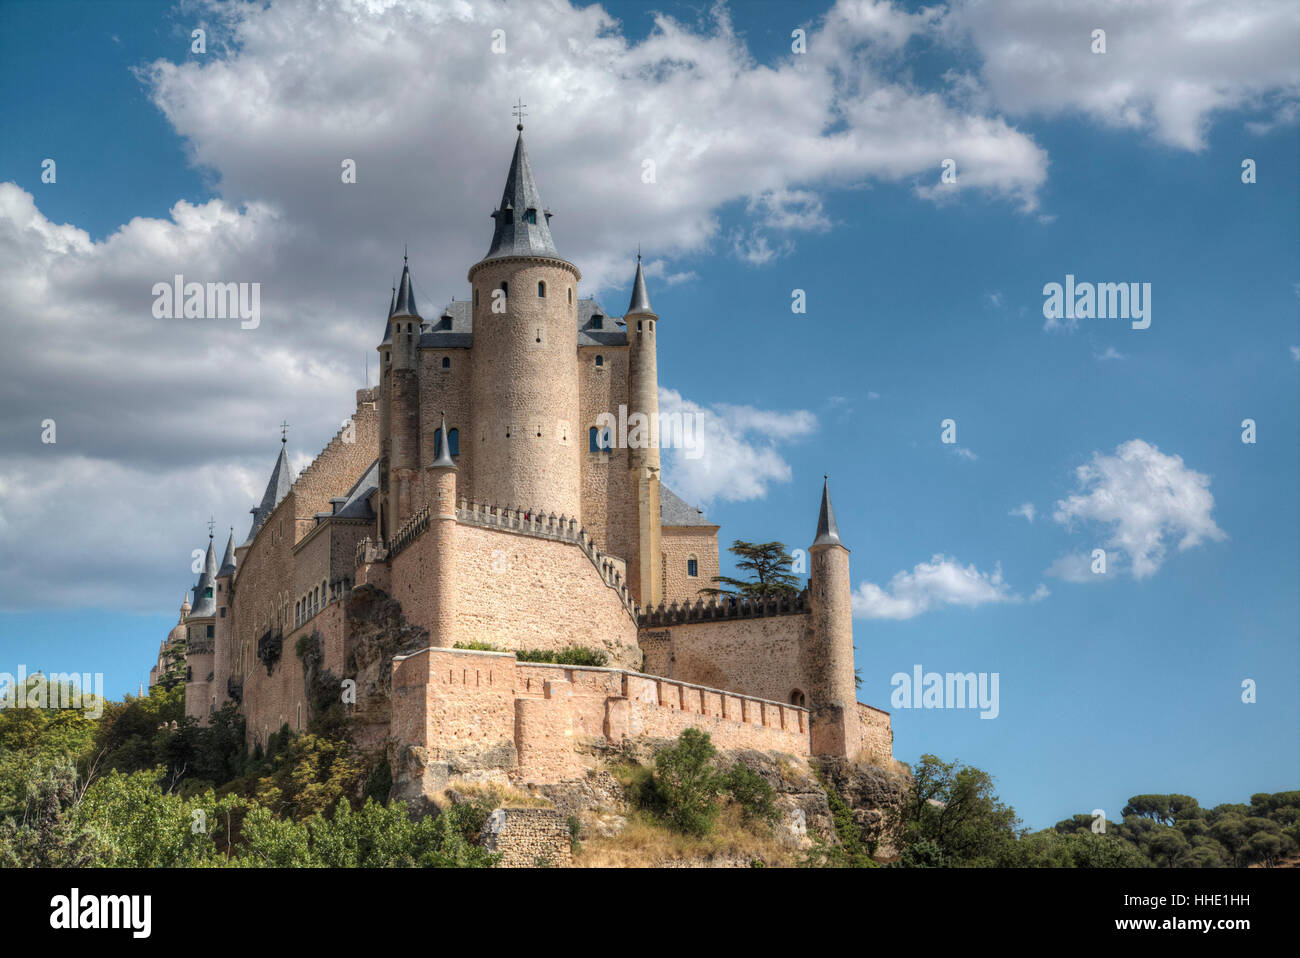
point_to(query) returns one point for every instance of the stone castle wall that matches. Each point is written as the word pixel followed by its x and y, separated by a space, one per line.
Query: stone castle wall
pixel 519 591
pixel 681 543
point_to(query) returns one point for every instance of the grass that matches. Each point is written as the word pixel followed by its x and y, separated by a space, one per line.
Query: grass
pixel 495 795
pixel 646 842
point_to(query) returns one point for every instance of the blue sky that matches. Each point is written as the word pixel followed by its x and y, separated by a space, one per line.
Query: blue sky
pixel 922 306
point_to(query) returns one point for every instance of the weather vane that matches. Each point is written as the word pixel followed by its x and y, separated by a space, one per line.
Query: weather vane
pixel 284 431
pixel 519 113
pixel 212 522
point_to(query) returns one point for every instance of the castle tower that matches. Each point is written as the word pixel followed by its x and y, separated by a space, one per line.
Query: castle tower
pixel 400 395
pixel 223 633
pixel 525 358
pixel 643 565
pixel 441 579
pixel 199 635
pixel 385 424
pixel 832 693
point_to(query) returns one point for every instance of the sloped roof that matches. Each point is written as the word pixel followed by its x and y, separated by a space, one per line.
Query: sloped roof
pixel 676 511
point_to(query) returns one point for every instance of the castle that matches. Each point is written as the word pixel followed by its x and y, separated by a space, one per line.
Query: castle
pixel 475 498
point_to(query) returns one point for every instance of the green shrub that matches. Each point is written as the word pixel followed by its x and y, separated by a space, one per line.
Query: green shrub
pixel 688 784
pixel 756 798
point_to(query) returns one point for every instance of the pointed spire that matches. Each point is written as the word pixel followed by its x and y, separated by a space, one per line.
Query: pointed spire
pixel 388 322
pixel 444 460
pixel 277 487
pixel 228 560
pixel 404 305
pixel 640 298
pixel 827 534
pixel 185 608
pixel 522 223
pixel 205 603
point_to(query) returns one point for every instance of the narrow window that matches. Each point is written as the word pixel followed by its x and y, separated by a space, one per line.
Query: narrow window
pixel 531 216
pixel 223 611
pixel 207 593
pixel 692 567
pixel 476 299
pixel 446 362
pixel 605 440
pixel 453 441
pixel 797 698
pixel 541 290
pixel 570 295
pixel 505 288
pixel 593 439
pixel 638 325
pixel 209 632
pixel 600 360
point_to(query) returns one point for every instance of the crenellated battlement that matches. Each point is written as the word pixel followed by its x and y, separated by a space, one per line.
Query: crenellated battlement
pixel 725 607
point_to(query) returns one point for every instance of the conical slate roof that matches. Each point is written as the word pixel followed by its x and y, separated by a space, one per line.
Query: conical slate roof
pixel 640 298
pixel 228 560
pixel 404 305
pixel 827 534
pixel 522 222
pixel 205 602
pixel 388 322
pixel 276 489
pixel 444 460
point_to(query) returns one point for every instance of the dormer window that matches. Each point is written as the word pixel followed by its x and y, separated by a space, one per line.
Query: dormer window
pixel 509 214
pixel 531 217
pixel 598 321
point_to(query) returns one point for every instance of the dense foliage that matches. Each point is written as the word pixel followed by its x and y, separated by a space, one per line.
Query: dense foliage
pixel 146 787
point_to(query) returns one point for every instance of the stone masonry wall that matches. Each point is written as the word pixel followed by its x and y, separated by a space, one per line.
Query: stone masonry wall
pixel 528 838
pixel 520 592
pixel 681 543
pixel 877 734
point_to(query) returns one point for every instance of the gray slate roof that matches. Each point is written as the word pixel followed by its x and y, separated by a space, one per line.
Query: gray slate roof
pixel 205 606
pixel 228 560
pixel 640 298
pixel 676 511
pixel 513 234
pixel 827 534
pixel 277 487
pixel 454 329
pixel 357 505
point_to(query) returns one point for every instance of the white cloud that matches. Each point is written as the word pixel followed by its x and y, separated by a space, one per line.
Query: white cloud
pixel 1167 69
pixel 930 585
pixel 1295 353
pixel 737 457
pixel 1147 498
pixel 1025 509
pixel 1110 353
pixel 1041 593
pixel 1077 567
pixel 963 453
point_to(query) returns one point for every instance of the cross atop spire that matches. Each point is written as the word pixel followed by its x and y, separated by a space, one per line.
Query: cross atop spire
pixel 284 432
pixel 211 524
pixel 522 220
pixel 519 114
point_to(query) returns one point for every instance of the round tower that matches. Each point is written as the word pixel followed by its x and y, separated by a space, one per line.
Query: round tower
pixel 643 452
pixel 525 359
pixel 223 636
pixel 832 691
pixel 402 374
pixel 440 579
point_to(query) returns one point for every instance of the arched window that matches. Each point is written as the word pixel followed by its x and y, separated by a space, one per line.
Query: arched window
pixel 593 439
pixel 541 290
pixel 692 567
pixel 505 288
pixel 446 362
pixel 454 438
pixel 600 360
pixel 797 698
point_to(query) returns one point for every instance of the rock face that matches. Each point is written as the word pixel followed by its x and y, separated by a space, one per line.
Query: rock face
pixel 379 631
pixel 870 791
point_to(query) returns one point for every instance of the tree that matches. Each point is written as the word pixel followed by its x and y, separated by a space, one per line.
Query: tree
pixel 687 782
pixel 1165 809
pixel 769 564
pixel 955 808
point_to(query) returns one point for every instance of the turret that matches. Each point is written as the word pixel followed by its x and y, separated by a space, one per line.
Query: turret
pixel 385 420
pixel 400 393
pixel 525 358
pixel 200 630
pixel 223 633
pixel 643 442
pixel 277 487
pixel 832 693
pixel 440 579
